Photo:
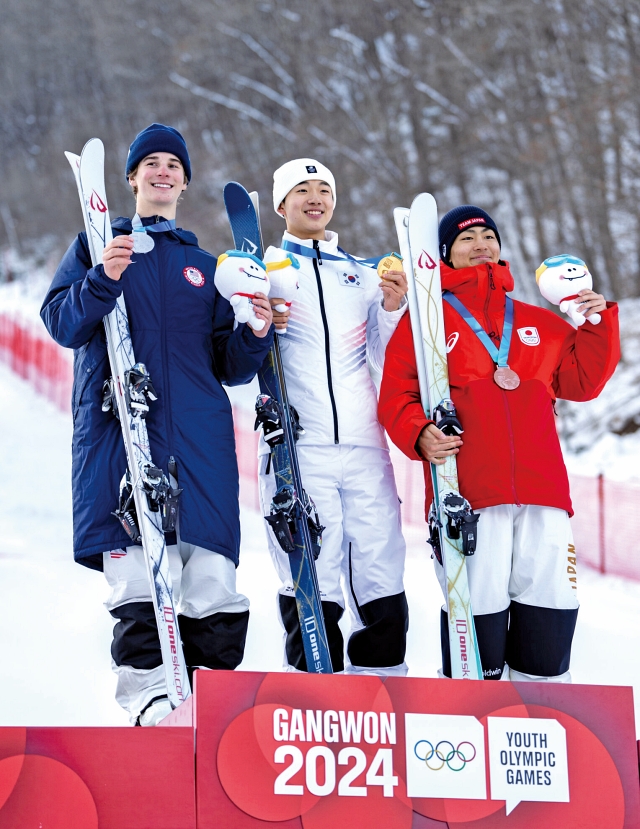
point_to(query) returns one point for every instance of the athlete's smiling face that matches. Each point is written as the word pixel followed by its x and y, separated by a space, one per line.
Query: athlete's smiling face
pixel 308 209
pixel 475 246
pixel 159 181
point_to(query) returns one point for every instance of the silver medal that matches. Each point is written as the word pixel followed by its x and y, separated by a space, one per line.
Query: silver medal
pixel 142 241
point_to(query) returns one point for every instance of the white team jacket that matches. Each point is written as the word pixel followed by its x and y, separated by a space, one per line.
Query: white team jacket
pixel 337 322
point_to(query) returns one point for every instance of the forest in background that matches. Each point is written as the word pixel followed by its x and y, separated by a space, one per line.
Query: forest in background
pixel 528 108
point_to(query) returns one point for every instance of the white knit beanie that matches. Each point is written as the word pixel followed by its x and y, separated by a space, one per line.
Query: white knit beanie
pixel 293 172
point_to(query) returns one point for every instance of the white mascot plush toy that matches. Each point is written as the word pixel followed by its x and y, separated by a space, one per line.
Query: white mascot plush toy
pixel 283 275
pixel 238 276
pixel 559 279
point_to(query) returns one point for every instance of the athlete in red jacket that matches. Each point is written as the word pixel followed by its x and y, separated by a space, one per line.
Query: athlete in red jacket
pixel 510 466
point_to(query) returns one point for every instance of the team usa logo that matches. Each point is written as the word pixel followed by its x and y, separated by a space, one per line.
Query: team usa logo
pixel 194 277
pixel 529 336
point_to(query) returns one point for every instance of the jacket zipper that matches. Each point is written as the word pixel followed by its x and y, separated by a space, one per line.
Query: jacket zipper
pixel 512 449
pixel 327 351
pixel 492 287
pixel 165 361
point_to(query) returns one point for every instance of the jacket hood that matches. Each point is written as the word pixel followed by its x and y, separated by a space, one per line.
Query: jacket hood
pixel 186 237
pixel 472 285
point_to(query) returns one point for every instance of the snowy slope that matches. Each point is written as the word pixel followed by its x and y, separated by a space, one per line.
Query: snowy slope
pixel 56 666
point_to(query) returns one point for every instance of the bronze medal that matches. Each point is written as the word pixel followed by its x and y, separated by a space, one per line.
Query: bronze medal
pixel 391 262
pixel 506 378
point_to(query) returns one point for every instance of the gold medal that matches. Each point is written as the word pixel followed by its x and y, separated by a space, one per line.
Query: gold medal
pixel 506 378
pixel 390 262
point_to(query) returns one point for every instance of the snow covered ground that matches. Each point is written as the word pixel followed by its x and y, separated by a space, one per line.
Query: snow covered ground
pixel 56 633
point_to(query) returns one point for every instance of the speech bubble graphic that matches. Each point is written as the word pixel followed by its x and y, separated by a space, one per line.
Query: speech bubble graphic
pixel 445 756
pixel 527 760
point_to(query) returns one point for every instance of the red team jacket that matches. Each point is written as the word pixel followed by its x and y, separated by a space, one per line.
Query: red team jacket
pixel 510 453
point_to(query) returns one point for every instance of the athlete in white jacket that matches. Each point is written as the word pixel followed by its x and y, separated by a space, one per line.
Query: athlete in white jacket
pixel 342 317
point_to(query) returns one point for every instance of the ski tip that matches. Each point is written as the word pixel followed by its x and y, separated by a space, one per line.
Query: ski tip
pixel 72 158
pixel 94 146
pixel 233 185
pixel 423 200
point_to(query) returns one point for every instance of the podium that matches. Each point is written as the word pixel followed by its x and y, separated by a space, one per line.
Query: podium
pixel 298 751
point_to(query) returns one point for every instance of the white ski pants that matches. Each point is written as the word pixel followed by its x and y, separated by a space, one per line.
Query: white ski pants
pixel 204 583
pixel 363 550
pixel 525 557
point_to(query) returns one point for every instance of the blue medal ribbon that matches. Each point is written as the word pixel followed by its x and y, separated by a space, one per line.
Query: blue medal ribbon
pixel 158 227
pixel 500 356
pixel 311 253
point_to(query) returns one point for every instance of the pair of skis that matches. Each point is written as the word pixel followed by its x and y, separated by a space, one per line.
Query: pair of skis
pixel 452 522
pixel 292 515
pixel 131 391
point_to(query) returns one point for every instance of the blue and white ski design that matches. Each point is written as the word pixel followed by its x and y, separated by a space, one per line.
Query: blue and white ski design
pixel 245 225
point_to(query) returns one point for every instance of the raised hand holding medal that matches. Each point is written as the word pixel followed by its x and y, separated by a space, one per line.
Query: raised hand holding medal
pixel 393 281
pixel 503 376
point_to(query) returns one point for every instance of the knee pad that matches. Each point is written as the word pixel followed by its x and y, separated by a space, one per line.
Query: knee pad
pixel 382 643
pixel 135 638
pixel 491 633
pixel 332 613
pixel 539 639
pixel 216 641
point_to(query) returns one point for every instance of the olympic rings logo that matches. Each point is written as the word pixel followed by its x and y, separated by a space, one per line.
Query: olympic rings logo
pixel 436 758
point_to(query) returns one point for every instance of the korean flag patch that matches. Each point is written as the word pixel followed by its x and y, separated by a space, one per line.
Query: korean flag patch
pixel 349 280
pixel 529 336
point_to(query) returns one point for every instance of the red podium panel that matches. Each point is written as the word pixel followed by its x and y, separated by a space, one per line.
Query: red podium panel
pixel 85 778
pixel 294 751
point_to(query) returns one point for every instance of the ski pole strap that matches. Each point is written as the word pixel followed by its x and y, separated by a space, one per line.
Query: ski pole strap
pixel 499 357
pixel 158 227
pixel 303 250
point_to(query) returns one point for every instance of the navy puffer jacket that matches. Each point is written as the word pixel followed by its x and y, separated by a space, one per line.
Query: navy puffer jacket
pixel 182 329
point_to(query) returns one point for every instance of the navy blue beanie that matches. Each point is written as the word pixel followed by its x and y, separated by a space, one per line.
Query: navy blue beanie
pixel 158 139
pixel 460 218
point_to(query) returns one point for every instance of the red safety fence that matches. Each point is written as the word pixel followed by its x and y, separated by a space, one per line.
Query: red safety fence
pixel 606 523
pixel 37 359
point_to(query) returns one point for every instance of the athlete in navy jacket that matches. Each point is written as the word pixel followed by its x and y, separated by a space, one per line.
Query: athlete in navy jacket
pixel 182 329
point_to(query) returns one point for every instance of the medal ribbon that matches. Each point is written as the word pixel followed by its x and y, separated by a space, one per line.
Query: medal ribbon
pixel 501 356
pixel 158 227
pixel 311 253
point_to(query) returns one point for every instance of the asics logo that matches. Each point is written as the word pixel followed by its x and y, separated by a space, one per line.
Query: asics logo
pixel 451 341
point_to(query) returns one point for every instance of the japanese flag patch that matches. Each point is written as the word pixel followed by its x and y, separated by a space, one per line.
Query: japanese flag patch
pixel 194 276
pixel 349 280
pixel 529 336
